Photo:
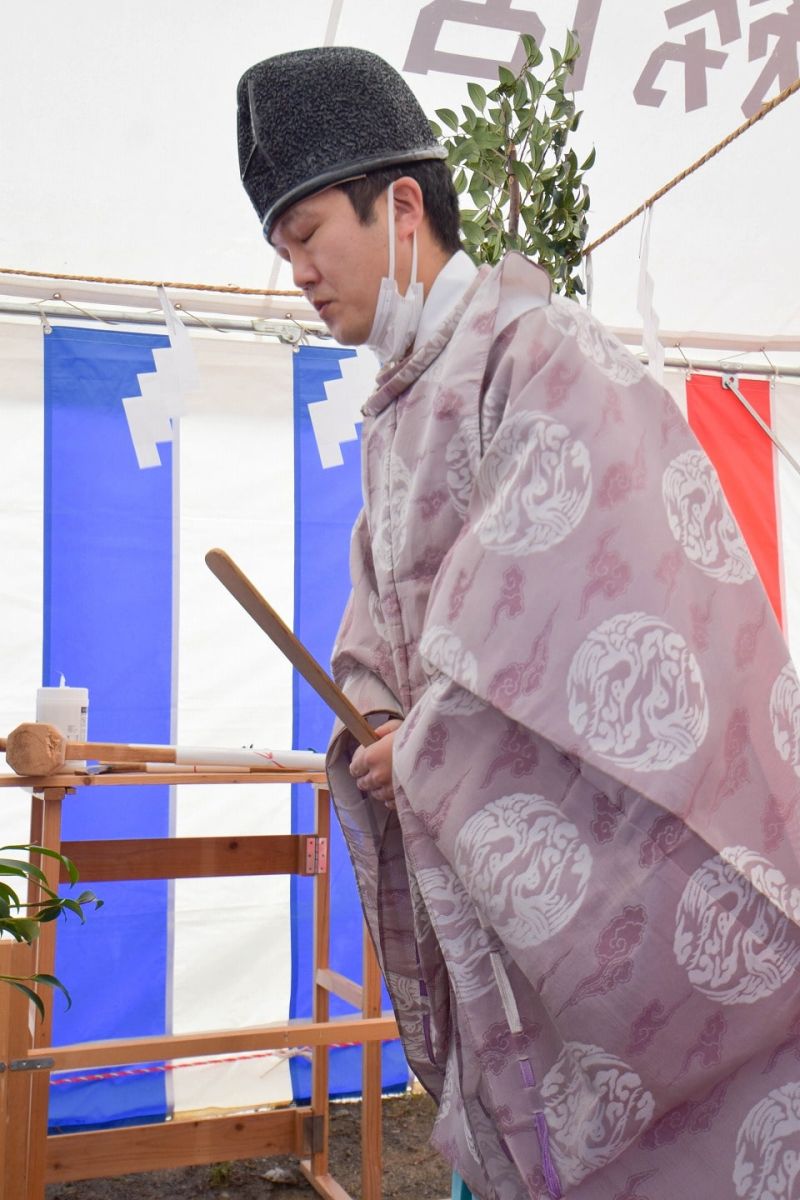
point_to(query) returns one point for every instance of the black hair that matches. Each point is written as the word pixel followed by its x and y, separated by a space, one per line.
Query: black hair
pixel 438 194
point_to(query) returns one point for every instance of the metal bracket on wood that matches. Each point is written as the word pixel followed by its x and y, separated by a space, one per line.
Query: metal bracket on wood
pixel 313 1134
pixel 316 856
pixel 31 1064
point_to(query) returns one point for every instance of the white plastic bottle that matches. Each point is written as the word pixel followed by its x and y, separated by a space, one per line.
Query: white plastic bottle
pixel 68 709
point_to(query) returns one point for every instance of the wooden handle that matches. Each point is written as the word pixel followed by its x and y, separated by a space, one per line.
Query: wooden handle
pixel 251 600
pixel 40 749
pixel 117 752
pixel 37 748
pixel 109 751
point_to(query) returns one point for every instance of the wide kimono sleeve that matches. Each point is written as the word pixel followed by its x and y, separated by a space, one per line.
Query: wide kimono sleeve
pixel 363 667
pixel 612 605
pixel 598 794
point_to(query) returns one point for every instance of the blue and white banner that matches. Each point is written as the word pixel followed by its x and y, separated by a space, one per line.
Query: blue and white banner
pixel 104 582
pixel 105 571
pixel 108 622
pixel 327 501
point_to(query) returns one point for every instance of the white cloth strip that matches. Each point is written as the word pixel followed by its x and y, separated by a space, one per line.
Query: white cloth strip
pixel 232 937
pixel 644 304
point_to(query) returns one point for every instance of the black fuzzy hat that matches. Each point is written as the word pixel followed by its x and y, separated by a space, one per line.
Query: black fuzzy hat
pixel 312 118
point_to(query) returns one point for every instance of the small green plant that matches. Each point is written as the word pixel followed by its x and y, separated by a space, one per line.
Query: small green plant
pixel 509 154
pixel 23 920
pixel 219 1174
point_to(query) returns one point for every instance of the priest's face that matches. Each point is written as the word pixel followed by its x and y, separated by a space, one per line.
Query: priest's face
pixel 336 260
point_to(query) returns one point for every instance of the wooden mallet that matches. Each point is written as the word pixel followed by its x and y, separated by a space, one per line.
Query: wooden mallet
pixel 36 748
pixel 40 749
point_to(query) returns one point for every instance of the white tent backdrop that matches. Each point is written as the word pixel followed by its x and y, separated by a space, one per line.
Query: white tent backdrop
pixel 117 132
pixel 119 154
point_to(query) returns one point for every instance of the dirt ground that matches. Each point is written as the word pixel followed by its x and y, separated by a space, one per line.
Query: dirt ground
pixel 411 1169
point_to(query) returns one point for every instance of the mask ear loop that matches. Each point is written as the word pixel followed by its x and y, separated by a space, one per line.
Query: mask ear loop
pixel 391 230
pixel 413 279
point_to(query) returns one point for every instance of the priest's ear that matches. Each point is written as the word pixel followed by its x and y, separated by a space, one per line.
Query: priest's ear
pixel 409 206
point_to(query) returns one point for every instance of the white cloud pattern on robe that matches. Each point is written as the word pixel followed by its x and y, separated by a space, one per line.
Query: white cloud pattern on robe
pixel 446 660
pixel 461 458
pixel 766 878
pixel 406 993
pixel 784 711
pixel 457 927
pixel 636 694
pixel 767 1165
pixel 528 866
pixel 733 941
pixel 535 482
pixel 450 1092
pixel 595 1105
pixel 595 343
pixel 700 520
pixel 391 528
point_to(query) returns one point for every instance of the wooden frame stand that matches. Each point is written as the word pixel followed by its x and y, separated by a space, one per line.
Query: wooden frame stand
pixel 29 1158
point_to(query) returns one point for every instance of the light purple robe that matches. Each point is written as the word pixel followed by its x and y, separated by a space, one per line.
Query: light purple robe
pixel 586 904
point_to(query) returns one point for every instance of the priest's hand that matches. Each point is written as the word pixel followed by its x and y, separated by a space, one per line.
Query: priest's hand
pixel 371 766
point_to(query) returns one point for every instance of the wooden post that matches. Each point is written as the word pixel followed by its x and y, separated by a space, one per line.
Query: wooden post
pixel 371 1128
pixel 45 831
pixel 320 1055
pixel 15 1086
pixel 6 1002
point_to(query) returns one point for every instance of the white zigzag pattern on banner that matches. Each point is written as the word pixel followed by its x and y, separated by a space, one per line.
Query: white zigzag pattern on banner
pixel 334 419
pixel 163 390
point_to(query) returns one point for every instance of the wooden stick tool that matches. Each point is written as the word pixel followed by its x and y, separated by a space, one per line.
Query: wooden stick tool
pixel 251 600
pixel 41 749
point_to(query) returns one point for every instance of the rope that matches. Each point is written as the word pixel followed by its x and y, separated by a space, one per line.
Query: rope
pixel 241 291
pixel 152 283
pixel 160 1068
pixel 762 112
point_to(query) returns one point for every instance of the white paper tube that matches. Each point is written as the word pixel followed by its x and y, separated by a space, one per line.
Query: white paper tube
pixel 295 760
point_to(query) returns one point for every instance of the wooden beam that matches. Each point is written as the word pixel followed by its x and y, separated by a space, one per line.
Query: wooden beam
pixel 109 1152
pixel 339 985
pixel 324 1185
pixel 41 783
pixel 191 857
pixel 224 1041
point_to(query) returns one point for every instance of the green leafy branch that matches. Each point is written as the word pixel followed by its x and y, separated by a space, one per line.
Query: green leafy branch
pixel 22 920
pixel 509 154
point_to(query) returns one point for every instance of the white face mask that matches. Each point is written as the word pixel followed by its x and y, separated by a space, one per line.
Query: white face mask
pixel 396 317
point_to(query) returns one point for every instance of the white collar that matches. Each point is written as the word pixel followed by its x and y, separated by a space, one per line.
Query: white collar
pixel 446 290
